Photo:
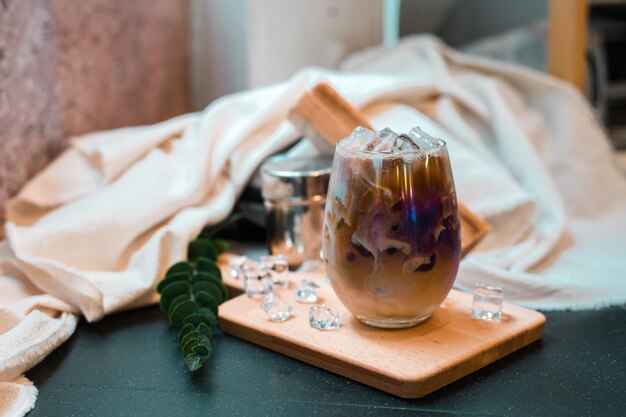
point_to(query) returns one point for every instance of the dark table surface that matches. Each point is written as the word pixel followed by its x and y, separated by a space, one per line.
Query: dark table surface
pixel 129 364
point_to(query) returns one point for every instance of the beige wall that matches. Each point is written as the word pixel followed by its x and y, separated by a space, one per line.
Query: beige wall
pixel 68 67
pixel 284 35
pixel 239 44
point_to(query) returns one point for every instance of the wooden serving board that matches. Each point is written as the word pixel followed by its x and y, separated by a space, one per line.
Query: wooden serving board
pixel 409 363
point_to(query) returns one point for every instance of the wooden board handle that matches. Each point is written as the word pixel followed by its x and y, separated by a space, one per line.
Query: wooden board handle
pixel 328 113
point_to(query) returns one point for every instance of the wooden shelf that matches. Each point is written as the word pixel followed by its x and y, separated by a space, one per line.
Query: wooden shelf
pixel 567 40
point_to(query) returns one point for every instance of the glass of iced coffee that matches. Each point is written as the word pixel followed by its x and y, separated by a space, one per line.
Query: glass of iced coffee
pixel 392 241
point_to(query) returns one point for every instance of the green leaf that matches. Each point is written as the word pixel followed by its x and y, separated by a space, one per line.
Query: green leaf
pixel 178 300
pixel 175 302
pixel 205 331
pixel 211 288
pixel 172 278
pixel 205 265
pixel 172 291
pixel 189 345
pixel 205 299
pixel 196 320
pixel 224 292
pixel 185 309
pixel 179 276
pixel 201 247
pixel 220 245
pixel 195 362
pixel 201 349
pixel 209 315
pixel 187 328
pixel 204 277
pixel 205 340
pixel 182 266
pixel 191 335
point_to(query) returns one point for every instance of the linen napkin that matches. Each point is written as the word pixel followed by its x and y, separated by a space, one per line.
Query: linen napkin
pixel 94 232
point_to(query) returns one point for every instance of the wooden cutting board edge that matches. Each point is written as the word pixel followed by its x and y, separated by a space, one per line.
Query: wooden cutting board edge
pixel 393 384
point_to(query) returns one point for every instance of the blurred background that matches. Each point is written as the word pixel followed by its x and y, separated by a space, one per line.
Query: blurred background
pixel 70 67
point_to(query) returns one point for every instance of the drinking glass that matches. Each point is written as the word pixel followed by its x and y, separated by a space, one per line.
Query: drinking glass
pixel 391 239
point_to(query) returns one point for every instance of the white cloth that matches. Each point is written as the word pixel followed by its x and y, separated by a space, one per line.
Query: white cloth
pixel 17 397
pixel 94 232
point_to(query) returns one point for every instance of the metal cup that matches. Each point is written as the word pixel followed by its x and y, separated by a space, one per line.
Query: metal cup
pixel 294 193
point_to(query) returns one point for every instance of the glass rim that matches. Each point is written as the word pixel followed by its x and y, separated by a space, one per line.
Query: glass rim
pixel 442 145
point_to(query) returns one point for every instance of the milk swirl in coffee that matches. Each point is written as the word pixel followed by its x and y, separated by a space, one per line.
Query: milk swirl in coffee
pixel 391 234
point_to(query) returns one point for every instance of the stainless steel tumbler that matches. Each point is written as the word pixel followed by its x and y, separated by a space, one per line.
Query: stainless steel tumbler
pixel 294 193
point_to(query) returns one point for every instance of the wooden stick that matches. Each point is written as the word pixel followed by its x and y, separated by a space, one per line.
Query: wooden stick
pixel 567 39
